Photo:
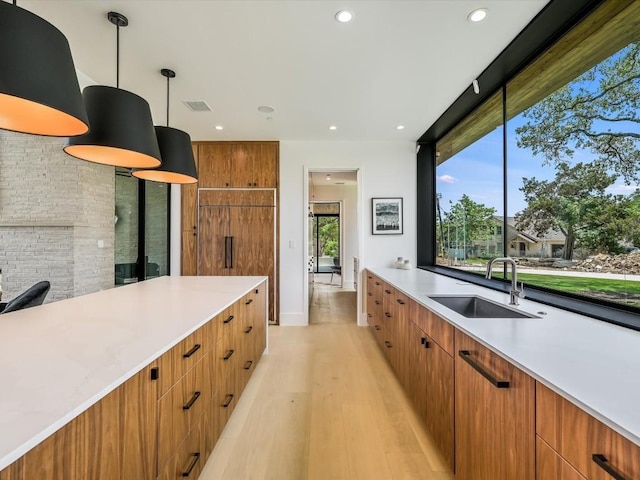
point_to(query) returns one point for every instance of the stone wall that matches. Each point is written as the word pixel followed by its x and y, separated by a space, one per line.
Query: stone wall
pixel 55 211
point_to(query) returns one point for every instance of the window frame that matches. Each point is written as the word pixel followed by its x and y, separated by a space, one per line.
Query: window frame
pixel 556 19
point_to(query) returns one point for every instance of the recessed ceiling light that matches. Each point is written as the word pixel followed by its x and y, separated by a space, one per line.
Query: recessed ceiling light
pixel 333 127
pixel 344 16
pixel 219 127
pixel 266 109
pixel 400 127
pixel 478 15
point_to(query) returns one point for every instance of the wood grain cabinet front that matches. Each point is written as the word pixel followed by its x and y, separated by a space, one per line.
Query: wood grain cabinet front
pixel 115 438
pixel 164 421
pixel 589 446
pixel 494 415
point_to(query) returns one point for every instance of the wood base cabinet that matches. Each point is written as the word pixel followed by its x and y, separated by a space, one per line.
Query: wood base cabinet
pixel 581 441
pixel 494 416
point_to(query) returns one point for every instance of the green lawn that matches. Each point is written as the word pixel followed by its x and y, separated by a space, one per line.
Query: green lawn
pixel 578 284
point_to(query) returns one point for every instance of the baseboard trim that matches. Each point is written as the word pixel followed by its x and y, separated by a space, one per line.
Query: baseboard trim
pixel 293 320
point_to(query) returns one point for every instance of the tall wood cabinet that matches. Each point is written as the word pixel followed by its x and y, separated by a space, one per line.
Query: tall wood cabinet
pixel 230 217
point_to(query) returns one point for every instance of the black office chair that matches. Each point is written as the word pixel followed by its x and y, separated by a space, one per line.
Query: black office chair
pixel 31 297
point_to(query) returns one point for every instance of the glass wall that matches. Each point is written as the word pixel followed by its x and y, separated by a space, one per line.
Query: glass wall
pixel 151 200
pixel 156 228
pixel 469 190
pixel 572 167
pixel 126 227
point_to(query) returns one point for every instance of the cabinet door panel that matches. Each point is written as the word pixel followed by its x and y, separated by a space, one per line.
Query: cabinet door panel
pixel 212 246
pixel 188 201
pixel 214 165
pixel 439 398
pixel 266 170
pixel 138 410
pixel 417 369
pixel 494 427
pixel 253 234
pixel 189 253
pixel 243 163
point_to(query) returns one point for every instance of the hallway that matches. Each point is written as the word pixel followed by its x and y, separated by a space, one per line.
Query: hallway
pixel 324 405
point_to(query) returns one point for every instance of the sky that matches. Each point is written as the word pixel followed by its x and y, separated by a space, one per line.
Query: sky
pixel 477 170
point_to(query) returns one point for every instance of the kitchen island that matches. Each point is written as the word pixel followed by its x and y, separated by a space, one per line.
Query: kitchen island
pixel 59 360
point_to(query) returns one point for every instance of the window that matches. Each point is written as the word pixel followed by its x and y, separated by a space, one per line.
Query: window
pixel 569 210
pixel 469 190
pixel 140 206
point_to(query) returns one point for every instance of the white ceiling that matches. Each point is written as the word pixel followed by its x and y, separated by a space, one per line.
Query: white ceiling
pixel 319 179
pixel 398 62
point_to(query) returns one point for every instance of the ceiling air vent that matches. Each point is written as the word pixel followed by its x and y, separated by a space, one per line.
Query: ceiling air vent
pixel 197 106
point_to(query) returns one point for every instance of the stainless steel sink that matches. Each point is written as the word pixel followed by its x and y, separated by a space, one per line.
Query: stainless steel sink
pixel 473 306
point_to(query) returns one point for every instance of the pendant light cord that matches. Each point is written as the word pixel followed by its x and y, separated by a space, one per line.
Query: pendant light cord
pixel 117 56
pixel 167 101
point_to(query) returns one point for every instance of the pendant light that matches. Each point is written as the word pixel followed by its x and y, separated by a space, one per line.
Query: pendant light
pixel 39 91
pixel 122 131
pixel 178 164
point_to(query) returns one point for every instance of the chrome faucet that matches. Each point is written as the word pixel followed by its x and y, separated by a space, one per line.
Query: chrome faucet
pixel 514 293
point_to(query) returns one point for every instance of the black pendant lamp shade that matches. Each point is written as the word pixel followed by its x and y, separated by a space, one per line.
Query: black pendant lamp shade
pixel 178 164
pixel 39 91
pixel 122 131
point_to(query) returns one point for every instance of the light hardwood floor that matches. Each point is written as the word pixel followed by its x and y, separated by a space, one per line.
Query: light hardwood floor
pixel 325 405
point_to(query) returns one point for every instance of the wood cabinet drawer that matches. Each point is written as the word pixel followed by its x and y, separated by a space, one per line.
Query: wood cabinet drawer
pixel 551 466
pixel 441 331
pixel 189 458
pixel 181 358
pixel 591 447
pixel 181 408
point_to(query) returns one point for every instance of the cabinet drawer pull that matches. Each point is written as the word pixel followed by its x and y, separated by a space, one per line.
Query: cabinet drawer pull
pixel 424 342
pixel 377 302
pixel 248 329
pixel 248 302
pixel 603 463
pixel 228 400
pixel 370 294
pixel 401 302
pixel 377 283
pixel 466 356
pixel 229 318
pixel 377 327
pixel 193 350
pixel 228 355
pixel 191 401
pixel 387 314
pixel 387 343
pixel 387 292
pixel 369 315
pixel 247 365
pixel 369 277
pixel 192 464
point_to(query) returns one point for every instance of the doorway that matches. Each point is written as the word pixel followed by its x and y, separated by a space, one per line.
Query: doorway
pixel 332 244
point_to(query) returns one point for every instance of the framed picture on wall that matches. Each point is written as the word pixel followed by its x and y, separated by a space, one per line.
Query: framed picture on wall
pixel 387 216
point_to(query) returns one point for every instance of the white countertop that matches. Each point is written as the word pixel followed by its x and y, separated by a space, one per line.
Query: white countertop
pixel 594 364
pixel 58 359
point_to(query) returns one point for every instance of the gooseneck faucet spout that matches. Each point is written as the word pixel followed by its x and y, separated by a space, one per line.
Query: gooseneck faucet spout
pixel 514 292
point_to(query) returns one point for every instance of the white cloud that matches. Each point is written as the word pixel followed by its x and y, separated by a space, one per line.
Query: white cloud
pixel 446 179
pixel 622 189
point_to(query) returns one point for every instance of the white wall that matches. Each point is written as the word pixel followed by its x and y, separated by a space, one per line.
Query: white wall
pixel 348 195
pixel 387 169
